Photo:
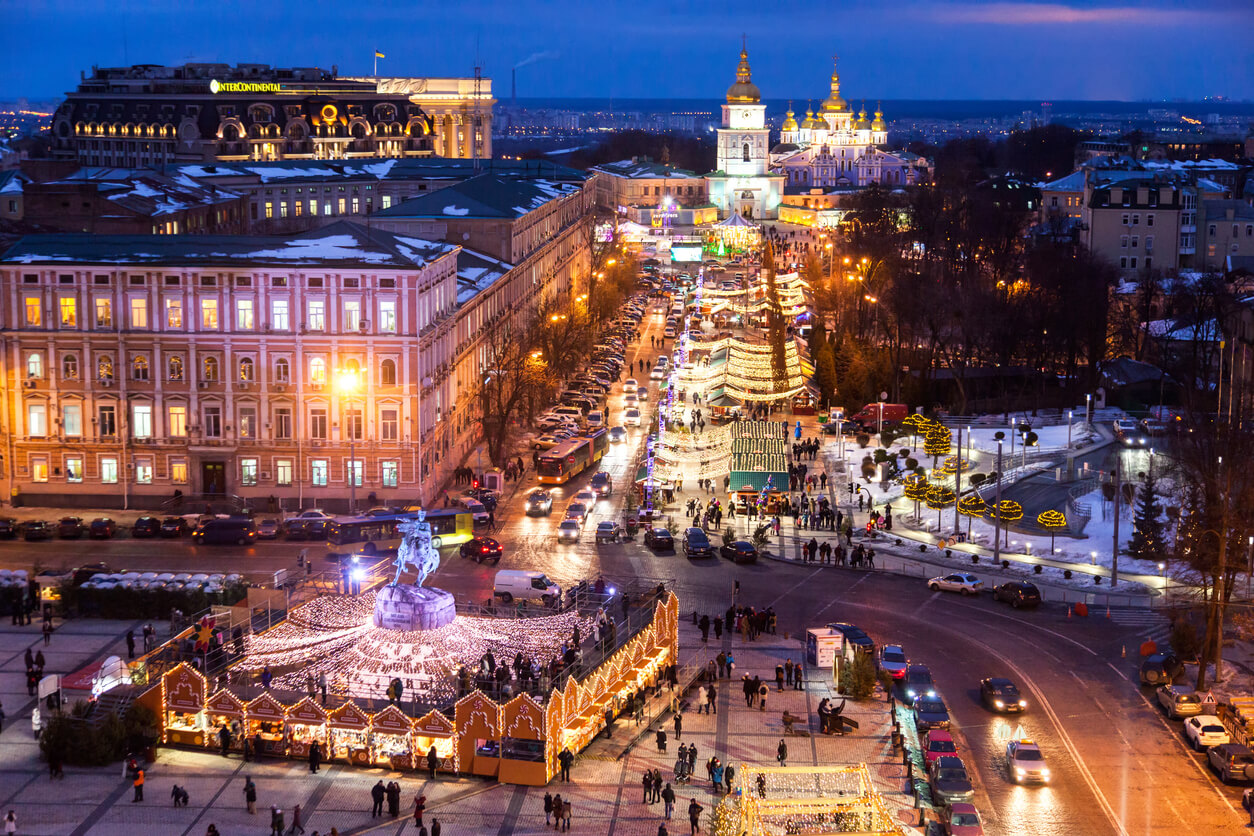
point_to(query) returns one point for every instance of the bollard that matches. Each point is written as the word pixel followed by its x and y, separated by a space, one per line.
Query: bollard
pixel 1124 652
pixel 905 756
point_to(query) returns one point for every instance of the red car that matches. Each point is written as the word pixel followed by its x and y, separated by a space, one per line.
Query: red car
pixel 961 819
pixel 936 743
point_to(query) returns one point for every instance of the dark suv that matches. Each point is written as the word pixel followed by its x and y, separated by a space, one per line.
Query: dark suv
pixel 1018 594
pixel 70 528
pixel 697 544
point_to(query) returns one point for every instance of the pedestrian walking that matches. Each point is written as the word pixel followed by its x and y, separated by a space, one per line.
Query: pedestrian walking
pixel 548 809
pixel 781 753
pixel 779 677
pixel 729 775
pixel 661 740
pixel 694 816
pixel 276 821
pixel 565 816
pixel 762 692
pixel 711 695
pixel 250 795
pixel 565 758
pixel 679 726
pixel 47 632
pixel 297 825
pixel 138 784
pixel 668 801
pixel 647 783
pixel 433 760
pixel 376 795
pixel 10 823
pixel 557 812
pixel 130 644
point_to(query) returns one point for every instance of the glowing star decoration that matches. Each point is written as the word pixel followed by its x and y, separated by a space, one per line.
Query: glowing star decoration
pixel 203 634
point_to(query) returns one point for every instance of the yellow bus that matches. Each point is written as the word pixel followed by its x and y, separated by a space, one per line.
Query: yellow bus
pixel 368 536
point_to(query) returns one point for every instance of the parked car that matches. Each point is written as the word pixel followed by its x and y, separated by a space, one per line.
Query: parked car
pixel 918 682
pixel 739 551
pixel 1179 701
pixel 8 528
pixel 315 514
pixel 481 549
pixel 893 661
pixel 70 528
pixel 961 819
pixel 951 785
pixel 930 713
pixel 963 582
pixel 853 635
pixel 602 483
pixel 294 529
pixel 1159 668
pixel 174 527
pixel 659 539
pixel 938 742
pixel 102 528
pixel 239 531
pixel 697 544
pixel 1231 762
pixel 1018 594
pixel 33 530
pixel 1205 730
pixel 268 529
pixel 539 503
pixel 1002 695
pixel 1026 762
pixel 146 527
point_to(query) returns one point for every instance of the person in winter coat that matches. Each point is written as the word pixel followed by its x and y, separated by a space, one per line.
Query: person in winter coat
pixel 250 795
pixel 661 740
pixel 668 801
pixel 781 753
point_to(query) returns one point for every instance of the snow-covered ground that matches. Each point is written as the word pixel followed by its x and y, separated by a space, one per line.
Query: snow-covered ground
pixel 1049 439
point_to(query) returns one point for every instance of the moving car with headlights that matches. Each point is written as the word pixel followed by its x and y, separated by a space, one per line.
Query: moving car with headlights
pixel 602 483
pixel 893 661
pixel 577 511
pixel 930 713
pixel 568 531
pixel 739 551
pixel 918 682
pixel 659 539
pixel 938 742
pixel 1018 594
pixel 1026 762
pixel 1179 701
pixel 631 417
pixel 963 582
pixel 481 549
pixel 1204 731
pixel 1002 695
pixel 608 531
pixel 961 819
pixel 524 585
pixel 539 503
pixel 618 435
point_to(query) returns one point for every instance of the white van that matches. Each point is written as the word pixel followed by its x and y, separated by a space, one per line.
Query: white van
pixel 478 511
pixel 522 584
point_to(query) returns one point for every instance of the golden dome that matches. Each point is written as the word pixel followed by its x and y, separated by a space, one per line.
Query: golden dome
pixel 863 124
pixel 790 121
pixel 744 90
pixel 878 124
pixel 810 122
pixel 834 103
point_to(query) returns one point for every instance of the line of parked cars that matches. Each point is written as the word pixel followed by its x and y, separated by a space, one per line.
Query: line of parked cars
pixel 1205 732
pixel 205 528
pixel 1015 593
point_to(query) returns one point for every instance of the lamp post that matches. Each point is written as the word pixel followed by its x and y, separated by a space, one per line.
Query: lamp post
pixel 997 508
pixel 1088 409
pixel 348 384
pixel 1068 429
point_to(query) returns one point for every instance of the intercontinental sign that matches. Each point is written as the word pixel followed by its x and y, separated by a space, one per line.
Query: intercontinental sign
pixel 216 86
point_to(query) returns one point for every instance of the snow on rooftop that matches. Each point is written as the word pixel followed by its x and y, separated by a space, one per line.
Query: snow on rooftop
pixel 456 210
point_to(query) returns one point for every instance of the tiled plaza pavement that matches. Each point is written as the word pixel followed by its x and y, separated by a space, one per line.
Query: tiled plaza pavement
pixel 605 792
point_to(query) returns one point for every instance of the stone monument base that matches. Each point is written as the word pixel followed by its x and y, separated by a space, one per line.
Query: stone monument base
pixel 408 607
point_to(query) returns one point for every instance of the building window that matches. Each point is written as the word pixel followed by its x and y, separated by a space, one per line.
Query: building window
pixel 387 201
pixel 104 313
pixel 318 424
pixel 177 421
pixel 313 207
pixel 355 472
pixel 1123 242
pixel 69 367
pixel 139 367
pixel 108 470
pixel 283 472
pixel 391 474
pixel 69 312
pixel 340 206
pixel 72 420
pixel 352 315
pixel 317 371
pixel 283 423
pixel 278 315
pixel 246 370
pixel 1132 262
pixel 104 368
pixel 1136 220
pixel 213 422
pixel 174 367
pixel 353 424
pixel 269 209
pixel 282 370
pixel 326 209
pixel 209 314
pixel 1123 262
pixel 244 314
pixel 318 473
pixel 1149 219
pixel 248 422
pixel 317 318
pixel 356 205
pixel 210 369
pixel 1211 230
pixel 387 373
pixel 106 421
pixel 73 468
pixel 1136 239
pixel 35 365
pixel 178 471
pixel 34 312
pixel 143 470
pixel 389 425
pixel 37 419
pixel 173 313
pixel 141 420
pixel 387 317
pixel 248 469
pixel 1149 243
pixel 39 468
pixel 139 313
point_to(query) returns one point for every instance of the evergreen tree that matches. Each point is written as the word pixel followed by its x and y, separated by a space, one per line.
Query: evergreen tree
pixel 776 326
pixel 825 374
pixel 1147 530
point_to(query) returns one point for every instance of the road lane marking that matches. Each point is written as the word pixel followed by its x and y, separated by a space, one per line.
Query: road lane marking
pixel 1054 633
pixel 840 599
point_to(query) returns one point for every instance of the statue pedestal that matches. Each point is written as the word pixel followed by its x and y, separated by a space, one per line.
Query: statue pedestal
pixel 413 608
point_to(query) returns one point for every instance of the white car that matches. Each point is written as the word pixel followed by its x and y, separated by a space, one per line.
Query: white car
pixel 588 497
pixel 631 399
pixel 1204 731
pixel 630 384
pixel 568 531
pixel 1026 762
pixel 658 373
pixel 314 514
pixel 963 582
pixel 596 419
pixel 631 417
pixel 618 435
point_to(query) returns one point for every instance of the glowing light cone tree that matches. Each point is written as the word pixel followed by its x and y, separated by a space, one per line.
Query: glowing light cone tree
pixel 1008 511
pixel 972 506
pixel 917 424
pixel 939 498
pixel 915 486
pixel 1051 521
pixel 937 441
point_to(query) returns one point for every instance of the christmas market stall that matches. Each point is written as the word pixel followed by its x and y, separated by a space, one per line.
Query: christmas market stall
pixel 263 723
pixel 734 234
pixel 226 709
pixel 389 742
pixel 523 742
pixel 348 733
pixel 478 721
pixel 435 729
pixel 183 706
pixel 306 722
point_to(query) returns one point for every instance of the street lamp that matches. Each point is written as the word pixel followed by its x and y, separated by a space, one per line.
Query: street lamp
pixel 348 384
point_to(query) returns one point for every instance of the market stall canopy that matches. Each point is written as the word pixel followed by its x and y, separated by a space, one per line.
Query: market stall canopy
pixel 225 704
pixel 349 716
pixel 184 689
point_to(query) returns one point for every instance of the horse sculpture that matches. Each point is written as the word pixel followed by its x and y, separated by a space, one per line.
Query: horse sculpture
pixel 416 551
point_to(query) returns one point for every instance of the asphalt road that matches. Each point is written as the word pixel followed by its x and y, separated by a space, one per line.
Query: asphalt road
pixel 1118 766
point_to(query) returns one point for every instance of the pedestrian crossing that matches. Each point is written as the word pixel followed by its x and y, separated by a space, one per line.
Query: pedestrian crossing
pixel 1149 624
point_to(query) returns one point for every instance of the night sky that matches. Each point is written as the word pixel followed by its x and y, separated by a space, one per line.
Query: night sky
pixel 967 49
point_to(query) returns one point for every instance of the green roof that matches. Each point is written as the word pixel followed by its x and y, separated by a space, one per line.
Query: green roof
pixel 485 196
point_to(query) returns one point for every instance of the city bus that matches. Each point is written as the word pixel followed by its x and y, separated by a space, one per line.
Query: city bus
pixel 368 536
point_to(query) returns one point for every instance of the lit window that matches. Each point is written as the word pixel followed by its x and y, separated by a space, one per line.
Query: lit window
pixel 387 317
pixel 211 369
pixel 246 369
pixel 69 312
pixel 104 313
pixel 177 421
pixel 283 470
pixel 35 365
pixel 39 468
pixel 143 470
pixel 248 422
pixel 37 419
pixel 34 313
pixel 248 472
pixel 178 471
pixel 141 420
pixel 244 314
pixel 318 473
pixel 72 419
pixel 391 474
pixel 209 314
pixel 317 371
pixel 109 470
pixel 352 315
pixel 269 209
pixel 173 313
pixel 69 367
pixel 73 468
pixel 317 315
pixel 139 313
pixel 174 367
pixel 104 367
pixel 278 315
pixel 354 472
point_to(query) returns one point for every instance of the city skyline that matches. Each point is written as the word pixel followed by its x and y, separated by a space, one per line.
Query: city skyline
pixel 938 50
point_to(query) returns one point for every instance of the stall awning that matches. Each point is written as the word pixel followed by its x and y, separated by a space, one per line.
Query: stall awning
pixel 755 480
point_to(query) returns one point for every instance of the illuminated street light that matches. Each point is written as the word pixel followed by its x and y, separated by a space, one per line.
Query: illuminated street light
pixel 348 384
